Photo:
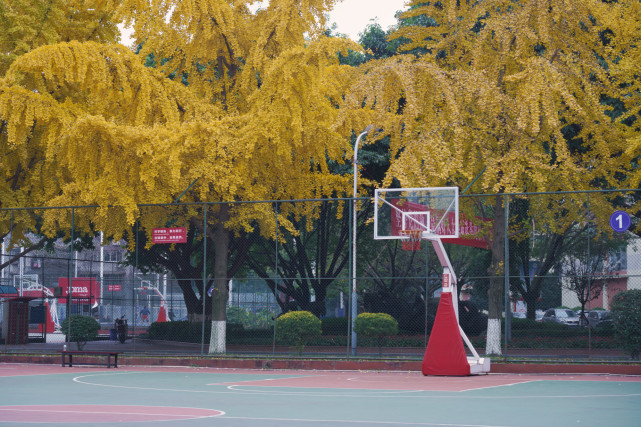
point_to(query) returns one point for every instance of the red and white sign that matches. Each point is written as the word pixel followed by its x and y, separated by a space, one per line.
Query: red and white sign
pixel 169 235
pixel 446 282
pixel 83 289
pixel 114 288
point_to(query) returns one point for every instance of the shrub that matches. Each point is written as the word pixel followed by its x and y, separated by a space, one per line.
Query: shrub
pixel 376 325
pixel 261 319
pixel 180 330
pixel 296 328
pixel 626 313
pixel 81 330
pixel 192 332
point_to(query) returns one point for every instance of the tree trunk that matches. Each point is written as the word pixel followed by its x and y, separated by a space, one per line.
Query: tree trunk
pixel 495 293
pixel 220 291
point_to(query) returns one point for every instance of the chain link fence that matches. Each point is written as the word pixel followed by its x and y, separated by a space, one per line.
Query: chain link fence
pixel 546 266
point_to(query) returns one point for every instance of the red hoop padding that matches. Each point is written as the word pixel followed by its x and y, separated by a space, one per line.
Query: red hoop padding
pixel 445 354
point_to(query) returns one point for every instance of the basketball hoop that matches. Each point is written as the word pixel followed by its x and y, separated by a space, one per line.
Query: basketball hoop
pixel 411 240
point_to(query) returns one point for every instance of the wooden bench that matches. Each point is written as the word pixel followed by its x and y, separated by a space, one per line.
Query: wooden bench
pixel 108 354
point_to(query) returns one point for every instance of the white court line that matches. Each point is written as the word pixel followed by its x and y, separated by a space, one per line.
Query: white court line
pixel 369 422
pixel 266 379
pixel 304 391
pixel 439 394
pixel 502 385
pixel 59 411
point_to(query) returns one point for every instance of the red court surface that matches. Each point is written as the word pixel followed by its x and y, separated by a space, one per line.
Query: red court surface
pixel 99 414
pixel 184 396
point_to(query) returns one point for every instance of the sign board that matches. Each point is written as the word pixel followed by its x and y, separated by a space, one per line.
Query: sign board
pixel 414 216
pixel 620 221
pixel 446 282
pixel 169 235
pixel 114 288
pixel 83 289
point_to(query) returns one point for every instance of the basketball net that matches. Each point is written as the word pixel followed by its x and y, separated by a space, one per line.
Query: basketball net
pixel 412 242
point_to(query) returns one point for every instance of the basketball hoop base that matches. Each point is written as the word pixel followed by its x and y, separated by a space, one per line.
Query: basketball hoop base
pixel 479 366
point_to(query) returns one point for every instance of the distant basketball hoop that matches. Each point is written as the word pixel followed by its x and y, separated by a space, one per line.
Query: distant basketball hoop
pixel 411 240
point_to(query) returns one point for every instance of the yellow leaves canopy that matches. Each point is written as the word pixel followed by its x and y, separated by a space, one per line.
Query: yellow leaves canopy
pixel 28 24
pixel 500 87
pixel 241 102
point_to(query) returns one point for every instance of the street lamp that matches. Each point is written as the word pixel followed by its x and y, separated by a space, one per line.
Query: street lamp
pixel 354 205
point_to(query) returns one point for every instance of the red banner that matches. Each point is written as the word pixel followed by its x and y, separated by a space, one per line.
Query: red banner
pixel 83 289
pixel 469 232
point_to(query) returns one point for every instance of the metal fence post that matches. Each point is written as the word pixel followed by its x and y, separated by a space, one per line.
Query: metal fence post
pixel 589 276
pixel 351 274
pixel 70 278
pixel 275 271
pixel 506 273
pixel 204 292
pixel 133 288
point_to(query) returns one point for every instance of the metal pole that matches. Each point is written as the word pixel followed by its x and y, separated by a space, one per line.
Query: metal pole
pixel 275 271
pixel 354 214
pixel 506 266
pixel 427 288
pixel 348 293
pixel 204 297
pixel 134 298
pixel 102 271
pixel 69 278
pixel 589 270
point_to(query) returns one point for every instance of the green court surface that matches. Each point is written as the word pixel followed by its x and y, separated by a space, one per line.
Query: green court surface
pixel 163 396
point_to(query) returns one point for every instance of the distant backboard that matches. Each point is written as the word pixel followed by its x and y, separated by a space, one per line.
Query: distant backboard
pixel 434 211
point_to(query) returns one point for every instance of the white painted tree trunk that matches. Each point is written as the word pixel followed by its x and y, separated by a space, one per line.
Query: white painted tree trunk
pixel 493 339
pixel 218 337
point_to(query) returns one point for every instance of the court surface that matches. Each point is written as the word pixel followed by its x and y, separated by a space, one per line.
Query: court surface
pixel 165 396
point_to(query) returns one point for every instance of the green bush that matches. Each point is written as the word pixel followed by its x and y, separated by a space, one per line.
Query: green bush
pixel 626 313
pixel 181 330
pixel 296 328
pixel 261 319
pixel 377 325
pixel 185 331
pixel 81 330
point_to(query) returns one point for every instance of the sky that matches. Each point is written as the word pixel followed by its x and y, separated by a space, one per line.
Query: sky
pixel 352 16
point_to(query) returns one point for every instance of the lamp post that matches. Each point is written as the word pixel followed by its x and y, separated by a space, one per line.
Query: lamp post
pixel 354 206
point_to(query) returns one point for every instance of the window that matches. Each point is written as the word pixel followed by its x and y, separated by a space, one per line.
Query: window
pixel 113 256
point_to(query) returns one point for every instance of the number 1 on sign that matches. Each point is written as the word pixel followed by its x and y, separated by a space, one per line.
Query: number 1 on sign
pixel 620 221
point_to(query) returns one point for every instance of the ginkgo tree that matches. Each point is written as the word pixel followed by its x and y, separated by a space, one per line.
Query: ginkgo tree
pixel 24 26
pixel 494 95
pixel 252 117
pixel 623 42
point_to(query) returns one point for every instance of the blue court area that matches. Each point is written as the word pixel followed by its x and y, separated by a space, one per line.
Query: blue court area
pixel 48 395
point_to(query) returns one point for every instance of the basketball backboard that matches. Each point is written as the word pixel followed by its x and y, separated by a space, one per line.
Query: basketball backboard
pixel 434 211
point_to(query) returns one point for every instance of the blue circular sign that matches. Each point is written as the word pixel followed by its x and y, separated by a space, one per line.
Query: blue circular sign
pixel 620 221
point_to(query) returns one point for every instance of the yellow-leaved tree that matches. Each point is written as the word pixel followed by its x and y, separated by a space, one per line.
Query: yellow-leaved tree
pixel 497 86
pixel 25 177
pixel 28 24
pixel 244 103
pixel 623 41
